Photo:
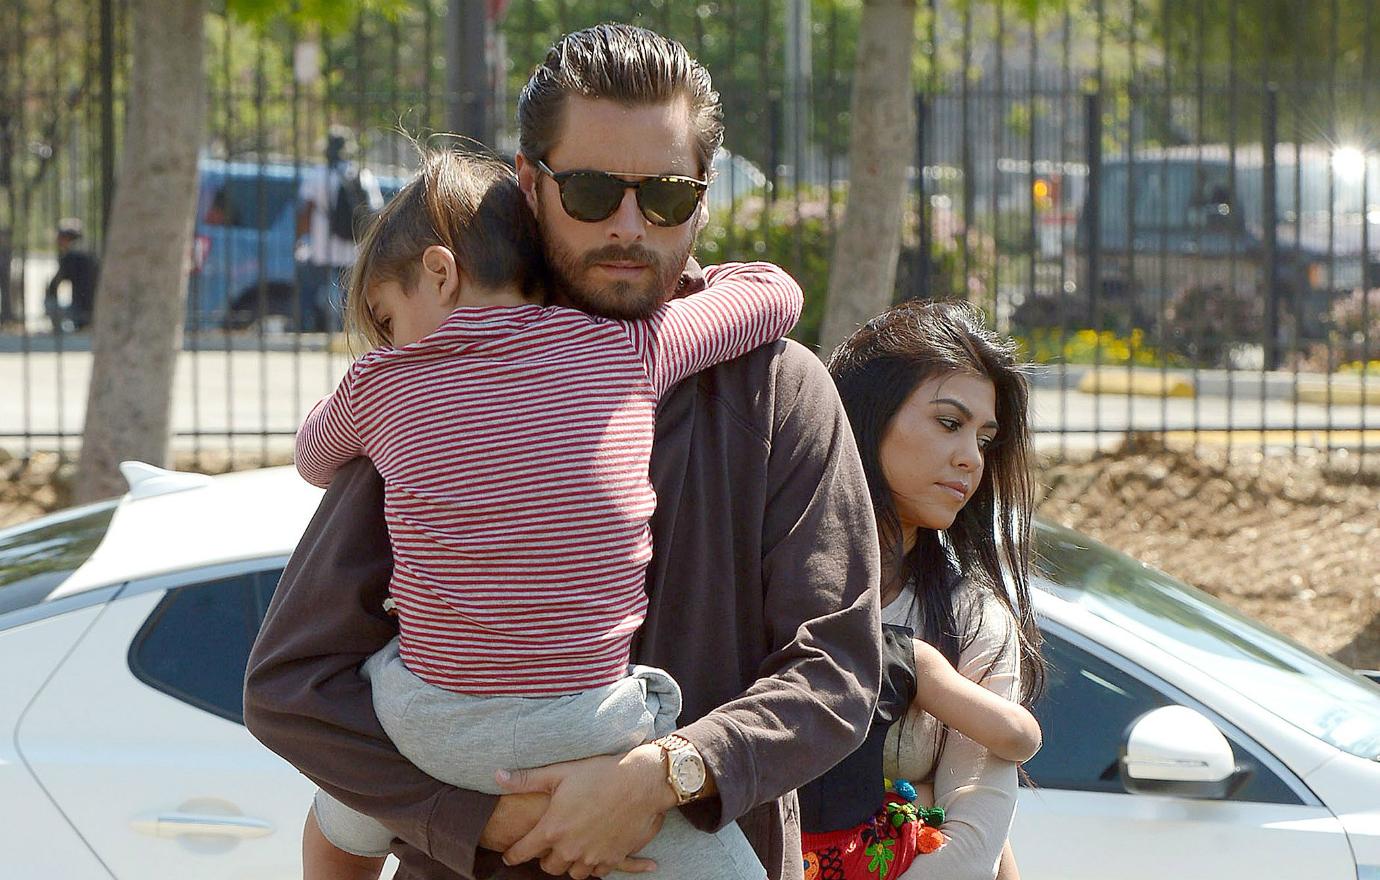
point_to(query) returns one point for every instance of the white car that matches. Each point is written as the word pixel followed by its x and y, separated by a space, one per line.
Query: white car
pixel 1181 740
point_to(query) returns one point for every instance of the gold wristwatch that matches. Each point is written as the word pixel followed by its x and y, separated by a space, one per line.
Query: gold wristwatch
pixel 684 767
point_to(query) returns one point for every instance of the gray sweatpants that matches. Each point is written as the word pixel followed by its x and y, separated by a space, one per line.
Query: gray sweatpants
pixel 462 739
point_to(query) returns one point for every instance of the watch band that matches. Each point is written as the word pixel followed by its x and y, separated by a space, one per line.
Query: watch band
pixel 676 748
pixel 673 741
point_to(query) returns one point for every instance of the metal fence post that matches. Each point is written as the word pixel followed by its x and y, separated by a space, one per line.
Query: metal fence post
pixel 1270 224
pixel 468 70
pixel 107 111
pixel 921 286
pixel 1092 103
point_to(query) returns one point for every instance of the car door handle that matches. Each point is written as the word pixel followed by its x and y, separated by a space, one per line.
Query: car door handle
pixel 178 824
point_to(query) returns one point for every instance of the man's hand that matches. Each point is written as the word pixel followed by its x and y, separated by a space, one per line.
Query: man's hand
pixel 602 810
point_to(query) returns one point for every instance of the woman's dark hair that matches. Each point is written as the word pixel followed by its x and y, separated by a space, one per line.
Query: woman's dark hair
pixel 876 371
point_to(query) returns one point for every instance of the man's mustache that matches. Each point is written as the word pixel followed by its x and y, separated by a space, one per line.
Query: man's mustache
pixel 613 253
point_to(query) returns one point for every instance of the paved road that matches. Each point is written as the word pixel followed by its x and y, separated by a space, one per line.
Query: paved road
pixel 215 393
pixel 268 392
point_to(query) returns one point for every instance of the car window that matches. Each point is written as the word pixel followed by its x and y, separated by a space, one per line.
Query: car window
pixel 36 558
pixel 1312 692
pixel 195 644
pixel 1084 714
pixel 248 202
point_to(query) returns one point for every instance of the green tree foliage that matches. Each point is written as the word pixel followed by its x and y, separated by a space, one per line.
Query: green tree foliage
pixel 1279 36
pixel 373 72
pixel 48 83
pixel 329 15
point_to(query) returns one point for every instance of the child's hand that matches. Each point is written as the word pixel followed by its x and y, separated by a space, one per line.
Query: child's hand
pixel 691 279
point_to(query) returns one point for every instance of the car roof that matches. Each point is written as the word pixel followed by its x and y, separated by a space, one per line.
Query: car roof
pixel 246 515
pixel 219 168
pixel 240 516
pixel 288 171
pixel 1208 155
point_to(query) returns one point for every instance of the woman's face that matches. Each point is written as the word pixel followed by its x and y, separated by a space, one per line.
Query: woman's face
pixel 932 452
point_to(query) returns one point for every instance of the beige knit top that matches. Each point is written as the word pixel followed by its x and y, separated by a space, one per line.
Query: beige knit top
pixel 977 790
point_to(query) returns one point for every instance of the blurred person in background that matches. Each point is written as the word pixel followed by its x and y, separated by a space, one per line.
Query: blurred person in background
pixel 78 268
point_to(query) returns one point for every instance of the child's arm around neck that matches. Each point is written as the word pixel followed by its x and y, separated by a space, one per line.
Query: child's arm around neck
pixel 741 307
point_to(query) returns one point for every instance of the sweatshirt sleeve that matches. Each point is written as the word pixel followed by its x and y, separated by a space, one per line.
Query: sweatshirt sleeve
pixel 976 788
pixel 815 693
pixel 743 306
pixel 305 699
pixel 329 436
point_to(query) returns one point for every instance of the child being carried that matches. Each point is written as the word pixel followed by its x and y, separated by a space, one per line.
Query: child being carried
pixel 514 439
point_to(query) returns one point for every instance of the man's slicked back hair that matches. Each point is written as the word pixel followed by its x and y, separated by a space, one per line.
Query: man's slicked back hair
pixel 623 63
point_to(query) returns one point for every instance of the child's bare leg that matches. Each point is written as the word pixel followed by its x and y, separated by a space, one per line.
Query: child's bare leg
pixel 322 860
pixel 1006 869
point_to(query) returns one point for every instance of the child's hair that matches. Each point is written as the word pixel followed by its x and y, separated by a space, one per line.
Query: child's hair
pixel 464 201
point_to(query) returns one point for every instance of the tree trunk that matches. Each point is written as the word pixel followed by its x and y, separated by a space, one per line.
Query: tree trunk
pixel 862 276
pixel 140 300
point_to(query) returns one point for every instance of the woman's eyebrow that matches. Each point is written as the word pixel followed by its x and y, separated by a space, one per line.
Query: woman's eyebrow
pixel 963 408
pixel 956 404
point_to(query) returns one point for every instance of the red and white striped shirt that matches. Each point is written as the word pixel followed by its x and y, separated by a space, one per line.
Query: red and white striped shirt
pixel 514 444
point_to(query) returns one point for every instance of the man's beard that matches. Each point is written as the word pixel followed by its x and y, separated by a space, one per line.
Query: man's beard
pixel 625 300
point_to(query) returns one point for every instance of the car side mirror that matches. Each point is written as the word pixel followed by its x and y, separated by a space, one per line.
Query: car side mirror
pixel 1177 751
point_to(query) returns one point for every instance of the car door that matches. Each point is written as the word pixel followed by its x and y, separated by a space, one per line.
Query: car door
pixel 1077 822
pixel 137 737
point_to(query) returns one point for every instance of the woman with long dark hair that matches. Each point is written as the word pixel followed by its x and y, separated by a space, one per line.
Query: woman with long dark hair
pixel 939 407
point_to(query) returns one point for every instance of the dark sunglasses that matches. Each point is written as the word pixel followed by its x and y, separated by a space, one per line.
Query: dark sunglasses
pixel 591 196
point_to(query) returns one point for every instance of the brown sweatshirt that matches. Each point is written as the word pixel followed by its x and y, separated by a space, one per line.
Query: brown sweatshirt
pixel 762 604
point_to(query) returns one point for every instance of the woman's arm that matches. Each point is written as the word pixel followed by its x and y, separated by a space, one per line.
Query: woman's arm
pixel 976 788
pixel 1006 868
pixel 1005 728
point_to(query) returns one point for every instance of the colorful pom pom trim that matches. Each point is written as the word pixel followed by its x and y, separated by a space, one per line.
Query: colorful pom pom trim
pixel 930 818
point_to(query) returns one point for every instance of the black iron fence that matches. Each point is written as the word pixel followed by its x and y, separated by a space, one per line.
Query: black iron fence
pixel 1173 204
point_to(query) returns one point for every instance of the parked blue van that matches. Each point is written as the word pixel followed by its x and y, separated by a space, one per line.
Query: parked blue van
pixel 1199 222
pixel 242 258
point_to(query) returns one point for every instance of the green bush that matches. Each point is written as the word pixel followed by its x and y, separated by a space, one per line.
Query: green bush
pixel 798 238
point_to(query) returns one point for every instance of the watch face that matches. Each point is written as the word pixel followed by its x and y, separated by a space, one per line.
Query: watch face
pixel 688 771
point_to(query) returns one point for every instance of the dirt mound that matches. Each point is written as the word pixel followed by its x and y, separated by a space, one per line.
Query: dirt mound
pixel 42 483
pixel 1292 541
pixel 32 487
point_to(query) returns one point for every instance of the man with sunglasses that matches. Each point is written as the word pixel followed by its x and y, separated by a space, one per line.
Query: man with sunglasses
pixel 762 589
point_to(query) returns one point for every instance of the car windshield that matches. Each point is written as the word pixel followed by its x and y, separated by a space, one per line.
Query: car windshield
pixel 1306 689
pixel 35 558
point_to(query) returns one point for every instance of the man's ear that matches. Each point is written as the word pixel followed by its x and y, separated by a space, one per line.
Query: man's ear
pixel 440 274
pixel 527 173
